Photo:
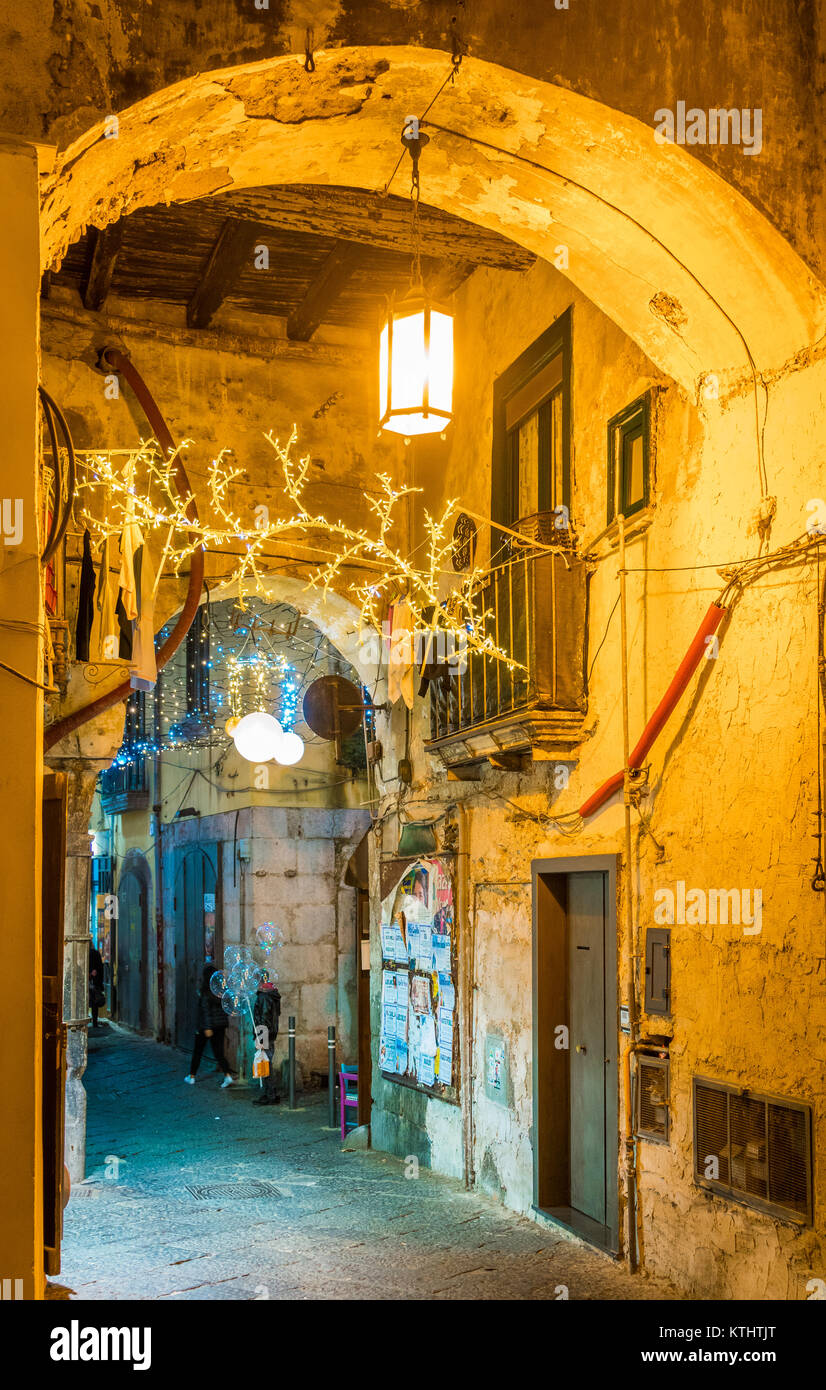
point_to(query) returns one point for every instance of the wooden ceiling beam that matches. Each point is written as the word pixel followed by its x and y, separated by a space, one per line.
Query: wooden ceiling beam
pixel 356 215
pixel 331 280
pixel 228 257
pixel 104 249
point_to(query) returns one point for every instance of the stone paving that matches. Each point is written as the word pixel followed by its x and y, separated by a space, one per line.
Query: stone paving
pixel 336 1226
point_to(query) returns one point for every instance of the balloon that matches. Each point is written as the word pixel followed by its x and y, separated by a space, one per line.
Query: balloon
pixel 268 935
pixel 229 1003
pixel 218 983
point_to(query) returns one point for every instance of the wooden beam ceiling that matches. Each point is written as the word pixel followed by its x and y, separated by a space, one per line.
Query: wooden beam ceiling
pixel 333 277
pixel 104 247
pixel 352 214
pixel 227 259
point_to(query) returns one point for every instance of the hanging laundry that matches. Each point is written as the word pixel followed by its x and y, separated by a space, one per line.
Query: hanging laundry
pixel 85 601
pixel 143 629
pixel 131 539
pixel 401 657
pixel 105 639
pixel 124 630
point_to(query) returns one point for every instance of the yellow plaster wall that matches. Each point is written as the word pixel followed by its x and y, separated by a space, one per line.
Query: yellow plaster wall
pixel 21 1222
pixel 733 776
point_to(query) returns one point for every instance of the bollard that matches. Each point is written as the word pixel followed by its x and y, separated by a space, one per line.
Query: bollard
pixel 331 1067
pixel 291 1058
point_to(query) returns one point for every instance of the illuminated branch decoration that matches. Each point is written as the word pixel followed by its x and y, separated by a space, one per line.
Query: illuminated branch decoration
pixel 143 487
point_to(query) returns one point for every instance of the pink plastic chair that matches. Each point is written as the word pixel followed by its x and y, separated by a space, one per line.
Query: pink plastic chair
pixel 348 1091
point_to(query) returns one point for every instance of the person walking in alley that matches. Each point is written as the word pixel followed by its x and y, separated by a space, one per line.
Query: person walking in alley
pixel 212 1026
pixel 265 1015
pixel 96 995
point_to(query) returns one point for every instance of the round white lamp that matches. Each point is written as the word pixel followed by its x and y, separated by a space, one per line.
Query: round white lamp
pixel 290 749
pixel 257 736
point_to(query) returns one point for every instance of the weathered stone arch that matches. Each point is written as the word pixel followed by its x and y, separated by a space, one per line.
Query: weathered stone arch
pixel 334 615
pixel 671 252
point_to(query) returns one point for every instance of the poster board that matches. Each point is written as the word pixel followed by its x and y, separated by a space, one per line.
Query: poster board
pixel 419 1037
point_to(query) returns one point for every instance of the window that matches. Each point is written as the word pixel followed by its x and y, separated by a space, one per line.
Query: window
pixel 531 434
pixel 628 454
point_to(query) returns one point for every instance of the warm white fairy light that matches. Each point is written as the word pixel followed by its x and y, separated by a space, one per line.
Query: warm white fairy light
pixel 146 486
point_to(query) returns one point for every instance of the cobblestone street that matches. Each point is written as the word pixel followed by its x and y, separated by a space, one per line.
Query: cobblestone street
pixel 332 1226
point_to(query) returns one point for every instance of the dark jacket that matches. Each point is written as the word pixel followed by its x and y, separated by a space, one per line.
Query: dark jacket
pixel 210 1013
pixel 96 981
pixel 266 1011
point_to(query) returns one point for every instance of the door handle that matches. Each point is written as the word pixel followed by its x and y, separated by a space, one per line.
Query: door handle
pixel 581 1048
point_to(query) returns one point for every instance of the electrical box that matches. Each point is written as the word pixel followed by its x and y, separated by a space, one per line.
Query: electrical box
pixel 497 1079
pixel 658 971
pixel 244 850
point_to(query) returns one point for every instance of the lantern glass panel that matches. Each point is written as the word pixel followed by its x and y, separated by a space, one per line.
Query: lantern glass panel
pixel 421 380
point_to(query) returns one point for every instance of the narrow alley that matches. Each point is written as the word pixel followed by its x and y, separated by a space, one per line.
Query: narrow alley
pixel 156 1217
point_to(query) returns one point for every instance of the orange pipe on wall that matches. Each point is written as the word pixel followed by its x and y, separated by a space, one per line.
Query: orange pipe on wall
pixel 664 709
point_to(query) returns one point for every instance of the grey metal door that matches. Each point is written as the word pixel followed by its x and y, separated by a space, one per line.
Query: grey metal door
pixel 131 937
pixel 586 971
pixel 195 882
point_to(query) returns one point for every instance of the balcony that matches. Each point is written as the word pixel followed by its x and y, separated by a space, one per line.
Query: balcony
pixel 124 788
pixel 538 615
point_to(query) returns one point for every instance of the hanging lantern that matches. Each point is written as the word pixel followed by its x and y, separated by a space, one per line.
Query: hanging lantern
pixel 416 346
pixel 416 366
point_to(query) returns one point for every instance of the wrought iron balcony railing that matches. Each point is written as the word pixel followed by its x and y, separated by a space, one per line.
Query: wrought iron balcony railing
pixel 537 607
pixel 124 787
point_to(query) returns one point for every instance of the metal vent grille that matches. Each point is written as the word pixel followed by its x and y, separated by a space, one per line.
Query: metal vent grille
pixel 652 1098
pixel 234 1191
pixel 754 1147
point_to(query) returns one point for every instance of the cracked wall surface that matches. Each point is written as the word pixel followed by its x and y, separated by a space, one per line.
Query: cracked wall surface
pixel 75 61
pixel 643 228
pixel 732 779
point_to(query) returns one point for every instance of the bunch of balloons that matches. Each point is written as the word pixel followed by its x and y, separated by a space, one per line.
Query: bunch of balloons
pixel 237 984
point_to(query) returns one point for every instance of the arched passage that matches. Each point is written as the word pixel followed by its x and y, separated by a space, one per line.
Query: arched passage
pixel 685 265
pixel 332 614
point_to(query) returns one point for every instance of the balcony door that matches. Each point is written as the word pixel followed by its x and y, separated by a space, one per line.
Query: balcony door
pixel 531 462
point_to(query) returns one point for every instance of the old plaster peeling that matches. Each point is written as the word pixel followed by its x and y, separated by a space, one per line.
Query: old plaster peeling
pixel 487 198
pixel 283 94
pixel 670 310
pixel 349 111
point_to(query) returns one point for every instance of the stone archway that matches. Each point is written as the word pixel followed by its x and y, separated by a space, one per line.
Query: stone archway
pixel 332 614
pixel 684 264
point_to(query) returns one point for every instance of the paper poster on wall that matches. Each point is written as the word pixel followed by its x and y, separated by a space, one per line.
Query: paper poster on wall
pixel 418 1043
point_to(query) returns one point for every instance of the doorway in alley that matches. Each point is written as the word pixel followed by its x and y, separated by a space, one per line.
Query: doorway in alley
pixel 132 942
pixel 194 906
pixel 575 1034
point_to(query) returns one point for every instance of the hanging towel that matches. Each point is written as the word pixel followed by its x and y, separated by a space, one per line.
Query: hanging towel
pixel 143 628
pixel 85 601
pixel 104 641
pixel 131 539
pixel 401 657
